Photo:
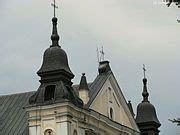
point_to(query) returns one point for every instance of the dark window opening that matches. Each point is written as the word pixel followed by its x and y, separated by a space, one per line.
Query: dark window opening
pixel 111 113
pixel 49 93
pixel 48 132
pixel 110 95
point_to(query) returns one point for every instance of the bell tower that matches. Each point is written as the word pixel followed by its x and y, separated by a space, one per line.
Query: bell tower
pixel 48 108
pixel 55 74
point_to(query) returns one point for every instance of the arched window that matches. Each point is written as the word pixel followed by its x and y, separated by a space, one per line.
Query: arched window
pixel 49 93
pixel 75 132
pixel 111 114
pixel 48 132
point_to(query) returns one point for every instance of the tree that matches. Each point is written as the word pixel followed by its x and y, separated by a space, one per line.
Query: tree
pixel 175 121
pixel 176 2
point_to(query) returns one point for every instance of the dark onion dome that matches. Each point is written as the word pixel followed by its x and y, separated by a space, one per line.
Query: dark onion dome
pixel 146 112
pixel 55 59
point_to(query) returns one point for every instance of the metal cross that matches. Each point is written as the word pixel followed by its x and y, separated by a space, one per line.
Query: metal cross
pixel 54 5
pixel 144 70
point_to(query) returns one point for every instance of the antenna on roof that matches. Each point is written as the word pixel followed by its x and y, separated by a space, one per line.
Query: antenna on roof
pixel 98 55
pixel 102 54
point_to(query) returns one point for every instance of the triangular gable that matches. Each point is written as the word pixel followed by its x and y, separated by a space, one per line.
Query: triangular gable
pixel 96 86
pixel 102 103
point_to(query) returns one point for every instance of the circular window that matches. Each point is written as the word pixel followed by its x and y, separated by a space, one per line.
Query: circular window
pixel 48 132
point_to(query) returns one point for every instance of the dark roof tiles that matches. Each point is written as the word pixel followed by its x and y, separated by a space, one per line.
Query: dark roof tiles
pixel 12 114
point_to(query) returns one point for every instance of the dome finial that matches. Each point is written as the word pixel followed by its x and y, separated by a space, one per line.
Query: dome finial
pixel 145 93
pixel 144 70
pixel 54 36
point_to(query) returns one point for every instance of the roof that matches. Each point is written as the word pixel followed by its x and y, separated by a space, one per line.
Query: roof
pixel 13 117
pixel 94 87
pixel 146 113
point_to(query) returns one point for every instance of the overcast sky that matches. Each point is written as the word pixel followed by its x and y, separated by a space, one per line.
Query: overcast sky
pixel 133 32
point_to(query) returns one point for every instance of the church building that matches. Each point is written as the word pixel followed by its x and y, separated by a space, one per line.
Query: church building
pixel 59 107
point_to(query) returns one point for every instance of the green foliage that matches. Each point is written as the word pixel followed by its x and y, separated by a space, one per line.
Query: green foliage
pixel 176 2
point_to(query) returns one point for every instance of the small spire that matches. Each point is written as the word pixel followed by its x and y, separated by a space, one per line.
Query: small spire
pixel 145 93
pixel 130 108
pixel 54 36
pixel 83 83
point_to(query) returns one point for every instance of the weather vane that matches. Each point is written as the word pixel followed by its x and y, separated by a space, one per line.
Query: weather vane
pixel 144 70
pixel 54 5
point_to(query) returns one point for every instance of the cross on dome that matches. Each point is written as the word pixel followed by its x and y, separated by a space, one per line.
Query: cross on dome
pixel 144 70
pixel 54 6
